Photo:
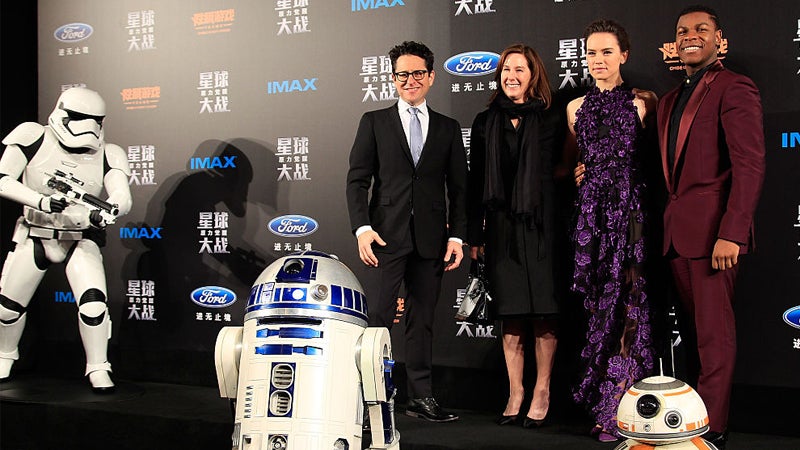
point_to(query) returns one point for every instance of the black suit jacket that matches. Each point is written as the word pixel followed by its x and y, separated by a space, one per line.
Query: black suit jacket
pixel 435 189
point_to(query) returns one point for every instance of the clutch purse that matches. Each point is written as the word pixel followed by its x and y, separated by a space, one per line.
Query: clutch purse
pixel 474 306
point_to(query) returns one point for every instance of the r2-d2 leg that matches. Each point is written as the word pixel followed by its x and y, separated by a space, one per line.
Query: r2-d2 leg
pixel 375 364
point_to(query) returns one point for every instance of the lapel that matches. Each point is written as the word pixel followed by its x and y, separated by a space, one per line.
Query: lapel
pixel 668 102
pixel 689 114
pixel 397 128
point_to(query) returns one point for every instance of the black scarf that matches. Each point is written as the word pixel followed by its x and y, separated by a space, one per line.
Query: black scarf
pixel 526 194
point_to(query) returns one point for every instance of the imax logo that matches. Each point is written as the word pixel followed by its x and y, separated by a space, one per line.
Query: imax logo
pixel 472 64
pixel 277 87
pixel 226 162
pixel 359 5
pixel 140 233
pixel 790 140
pixel 64 297
pixel 73 32
pixel 293 226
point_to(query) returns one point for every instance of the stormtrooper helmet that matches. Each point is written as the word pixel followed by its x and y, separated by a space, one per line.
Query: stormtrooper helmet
pixel 77 119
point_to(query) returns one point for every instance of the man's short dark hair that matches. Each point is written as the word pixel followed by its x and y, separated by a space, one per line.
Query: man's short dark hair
pixel 703 9
pixel 412 48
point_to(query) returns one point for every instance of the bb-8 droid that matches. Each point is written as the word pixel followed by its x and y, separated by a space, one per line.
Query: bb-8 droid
pixel 662 413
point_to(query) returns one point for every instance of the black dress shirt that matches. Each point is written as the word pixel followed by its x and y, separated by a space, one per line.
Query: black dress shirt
pixel 687 87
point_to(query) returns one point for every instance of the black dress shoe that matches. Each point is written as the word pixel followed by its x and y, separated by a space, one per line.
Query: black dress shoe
pixel 507 420
pixel 104 390
pixel 534 423
pixel 718 439
pixel 428 409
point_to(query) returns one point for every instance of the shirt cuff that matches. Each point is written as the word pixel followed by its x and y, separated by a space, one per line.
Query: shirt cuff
pixel 363 229
pixel 456 240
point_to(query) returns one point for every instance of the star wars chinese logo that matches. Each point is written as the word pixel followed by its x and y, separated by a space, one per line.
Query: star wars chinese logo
pixel 476 331
pixel 797 39
pixel 466 329
pixel 141 30
pixel 293 17
pixel 376 74
pixel 470 7
pixel 141 296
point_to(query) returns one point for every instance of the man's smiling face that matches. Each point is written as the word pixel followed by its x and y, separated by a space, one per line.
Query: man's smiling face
pixel 697 39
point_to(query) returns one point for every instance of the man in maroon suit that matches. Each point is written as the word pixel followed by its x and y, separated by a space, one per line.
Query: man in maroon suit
pixel 712 148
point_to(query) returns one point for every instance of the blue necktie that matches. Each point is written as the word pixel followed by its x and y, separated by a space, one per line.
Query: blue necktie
pixel 416 135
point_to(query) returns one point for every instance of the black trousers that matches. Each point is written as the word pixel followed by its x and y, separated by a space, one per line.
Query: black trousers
pixel 423 281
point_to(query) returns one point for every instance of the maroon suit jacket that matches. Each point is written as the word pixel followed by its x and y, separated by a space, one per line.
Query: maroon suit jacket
pixel 719 164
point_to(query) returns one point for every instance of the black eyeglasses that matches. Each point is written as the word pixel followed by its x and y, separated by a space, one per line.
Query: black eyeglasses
pixel 403 76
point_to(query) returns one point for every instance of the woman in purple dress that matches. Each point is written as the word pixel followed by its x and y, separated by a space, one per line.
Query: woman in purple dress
pixel 606 128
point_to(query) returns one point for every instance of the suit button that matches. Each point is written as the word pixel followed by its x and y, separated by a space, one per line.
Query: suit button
pixel 674 196
pixel 415 178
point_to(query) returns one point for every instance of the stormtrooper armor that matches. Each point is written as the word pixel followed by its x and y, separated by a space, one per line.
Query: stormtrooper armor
pixel 58 172
pixel 662 413
pixel 304 364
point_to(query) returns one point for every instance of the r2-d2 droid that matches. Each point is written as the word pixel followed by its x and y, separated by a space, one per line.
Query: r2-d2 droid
pixel 662 413
pixel 304 363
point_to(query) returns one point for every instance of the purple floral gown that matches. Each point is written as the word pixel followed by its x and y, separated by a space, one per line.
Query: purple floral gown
pixel 610 252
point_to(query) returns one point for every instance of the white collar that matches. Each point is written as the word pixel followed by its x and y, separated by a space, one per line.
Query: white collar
pixel 403 106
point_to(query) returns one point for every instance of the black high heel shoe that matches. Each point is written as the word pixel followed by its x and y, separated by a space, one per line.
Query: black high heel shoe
pixel 534 423
pixel 507 420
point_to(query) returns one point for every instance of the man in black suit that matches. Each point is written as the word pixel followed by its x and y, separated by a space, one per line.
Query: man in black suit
pixel 410 228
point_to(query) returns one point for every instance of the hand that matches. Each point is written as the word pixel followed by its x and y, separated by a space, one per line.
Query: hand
pixel 52 204
pixel 454 252
pixel 365 241
pixel 474 252
pixel 725 255
pixel 579 172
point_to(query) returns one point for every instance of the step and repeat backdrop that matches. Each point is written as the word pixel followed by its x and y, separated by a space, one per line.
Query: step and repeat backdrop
pixel 238 117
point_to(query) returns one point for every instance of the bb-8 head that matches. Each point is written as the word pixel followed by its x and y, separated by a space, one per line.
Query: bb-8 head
pixel 661 410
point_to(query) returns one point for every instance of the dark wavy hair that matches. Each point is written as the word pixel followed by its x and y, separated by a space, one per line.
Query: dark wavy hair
pixel 412 48
pixel 609 26
pixel 539 87
pixel 701 8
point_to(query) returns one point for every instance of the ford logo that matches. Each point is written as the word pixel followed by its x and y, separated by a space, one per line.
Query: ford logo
pixel 472 64
pixel 293 226
pixel 792 316
pixel 213 296
pixel 73 32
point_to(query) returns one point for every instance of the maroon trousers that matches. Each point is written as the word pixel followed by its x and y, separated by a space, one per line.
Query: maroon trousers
pixel 707 298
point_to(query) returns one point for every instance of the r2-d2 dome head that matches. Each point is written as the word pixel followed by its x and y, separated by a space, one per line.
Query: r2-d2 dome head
pixel 308 284
pixel 661 410
pixel 77 119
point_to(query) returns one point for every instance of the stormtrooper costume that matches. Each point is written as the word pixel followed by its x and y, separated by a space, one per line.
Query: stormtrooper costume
pixel 55 228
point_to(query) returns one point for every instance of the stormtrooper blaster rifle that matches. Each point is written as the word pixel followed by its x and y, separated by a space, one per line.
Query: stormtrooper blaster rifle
pixel 71 187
